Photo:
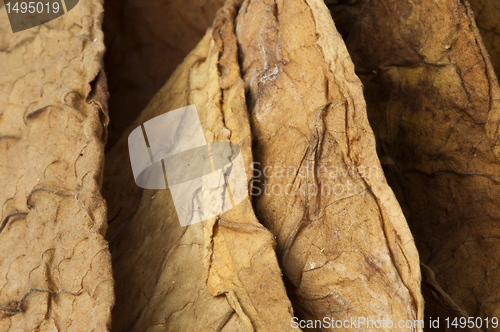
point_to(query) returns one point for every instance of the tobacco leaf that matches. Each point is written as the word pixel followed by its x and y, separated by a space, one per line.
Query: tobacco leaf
pixel 487 16
pixel 145 41
pixel 221 274
pixel 55 266
pixel 432 100
pixel 343 242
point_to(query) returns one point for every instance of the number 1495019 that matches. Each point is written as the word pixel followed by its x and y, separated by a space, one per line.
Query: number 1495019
pixel 32 7
pixel 472 322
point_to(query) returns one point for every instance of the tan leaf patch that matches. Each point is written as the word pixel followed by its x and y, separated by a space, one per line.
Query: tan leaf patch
pixel 55 267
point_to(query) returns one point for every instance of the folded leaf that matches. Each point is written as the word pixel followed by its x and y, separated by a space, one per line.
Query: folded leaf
pixel 433 101
pixel 343 241
pixel 55 271
pixel 145 41
pixel 218 275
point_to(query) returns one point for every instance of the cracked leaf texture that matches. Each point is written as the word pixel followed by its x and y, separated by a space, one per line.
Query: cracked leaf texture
pixel 55 269
pixel 343 242
pixel 487 16
pixel 433 101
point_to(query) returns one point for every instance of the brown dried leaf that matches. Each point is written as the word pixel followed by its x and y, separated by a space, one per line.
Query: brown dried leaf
pixel 55 269
pixel 433 103
pixel 487 15
pixel 221 274
pixel 342 239
pixel 146 40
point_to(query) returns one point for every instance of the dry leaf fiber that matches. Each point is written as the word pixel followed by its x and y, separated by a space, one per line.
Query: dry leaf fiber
pixel 433 99
pixel 217 275
pixel 487 16
pixel 55 271
pixel 343 241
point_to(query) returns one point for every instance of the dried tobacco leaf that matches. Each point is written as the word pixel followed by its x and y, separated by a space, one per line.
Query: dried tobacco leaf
pixel 342 239
pixel 487 16
pixel 55 268
pixel 221 274
pixel 146 40
pixel 432 100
